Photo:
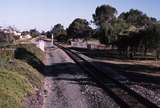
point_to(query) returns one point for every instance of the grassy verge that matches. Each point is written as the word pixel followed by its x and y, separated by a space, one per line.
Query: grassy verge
pixel 18 77
pixel 30 54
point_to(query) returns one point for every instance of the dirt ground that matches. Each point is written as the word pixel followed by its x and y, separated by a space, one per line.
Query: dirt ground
pixel 140 62
pixel 148 67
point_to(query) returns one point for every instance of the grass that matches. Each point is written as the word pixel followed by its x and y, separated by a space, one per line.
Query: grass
pixel 31 55
pixel 14 86
pixel 7 101
pixel 5 55
pixel 18 78
pixel 32 49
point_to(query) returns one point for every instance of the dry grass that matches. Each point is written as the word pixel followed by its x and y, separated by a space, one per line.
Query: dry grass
pixel 136 64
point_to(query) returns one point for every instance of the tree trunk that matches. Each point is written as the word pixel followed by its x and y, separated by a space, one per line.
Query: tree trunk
pixel 145 52
pixel 157 53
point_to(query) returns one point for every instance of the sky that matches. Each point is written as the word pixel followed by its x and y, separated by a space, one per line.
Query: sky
pixel 44 14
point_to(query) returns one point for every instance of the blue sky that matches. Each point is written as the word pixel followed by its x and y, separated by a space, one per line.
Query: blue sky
pixel 42 14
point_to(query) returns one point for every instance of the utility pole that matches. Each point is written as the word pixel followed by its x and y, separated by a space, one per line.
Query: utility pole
pixel 52 38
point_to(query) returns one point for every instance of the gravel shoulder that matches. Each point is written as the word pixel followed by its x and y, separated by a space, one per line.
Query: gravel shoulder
pixel 66 86
pixel 140 76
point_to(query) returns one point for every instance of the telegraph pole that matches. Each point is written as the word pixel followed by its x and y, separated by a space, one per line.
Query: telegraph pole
pixel 52 38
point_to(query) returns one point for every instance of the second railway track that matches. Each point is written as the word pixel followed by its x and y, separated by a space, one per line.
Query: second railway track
pixel 119 92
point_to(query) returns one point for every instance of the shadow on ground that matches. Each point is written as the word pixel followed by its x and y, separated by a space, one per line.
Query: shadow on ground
pixel 30 58
pixel 70 72
pixel 133 72
pixel 109 54
pixel 136 73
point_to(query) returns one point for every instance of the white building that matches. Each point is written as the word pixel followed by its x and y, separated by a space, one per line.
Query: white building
pixel 25 37
pixel 43 44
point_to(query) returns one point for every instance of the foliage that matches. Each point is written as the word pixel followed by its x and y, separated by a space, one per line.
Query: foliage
pixel 25 33
pixel 59 33
pixel 34 33
pixel 103 17
pixel 48 34
pixel 136 18
pixel 79 28
pixel 104 13
pixel 131 31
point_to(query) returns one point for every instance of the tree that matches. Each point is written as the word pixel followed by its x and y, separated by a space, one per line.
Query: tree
pixel 156 39
pixel 103 18
pixel 143 34
pixel 43 33
pixel 48 34
pixel 104 13
pixel 119 27
pixel 106 33
pixel 136 18
pixel 79 28
pixel 59 33
pixel 131 31
pixel 25 33
pixel 34 33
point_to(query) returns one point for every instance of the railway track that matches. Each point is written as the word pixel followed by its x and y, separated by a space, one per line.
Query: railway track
pixel 119 92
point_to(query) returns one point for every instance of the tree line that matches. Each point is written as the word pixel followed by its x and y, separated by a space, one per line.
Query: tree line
pixel 129 32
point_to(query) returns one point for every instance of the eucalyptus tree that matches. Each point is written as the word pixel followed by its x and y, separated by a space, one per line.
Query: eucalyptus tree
pixel 103 14
pixel 103 17
pixel 135 17
pixel 119 27
pixel 131 31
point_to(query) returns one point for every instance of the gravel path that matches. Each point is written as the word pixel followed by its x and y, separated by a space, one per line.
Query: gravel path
pixel 66 86
pixel 151 95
